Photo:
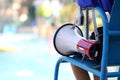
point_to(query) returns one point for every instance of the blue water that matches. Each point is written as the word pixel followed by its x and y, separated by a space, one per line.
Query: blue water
pixel 31 59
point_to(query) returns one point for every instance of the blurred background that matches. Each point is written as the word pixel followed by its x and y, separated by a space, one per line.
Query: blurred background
pixel 27 28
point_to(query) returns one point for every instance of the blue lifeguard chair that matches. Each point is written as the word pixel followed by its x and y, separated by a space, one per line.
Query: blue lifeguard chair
pixel 110 49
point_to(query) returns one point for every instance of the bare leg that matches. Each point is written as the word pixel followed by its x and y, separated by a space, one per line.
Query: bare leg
pixel 96 77
pixel 80 74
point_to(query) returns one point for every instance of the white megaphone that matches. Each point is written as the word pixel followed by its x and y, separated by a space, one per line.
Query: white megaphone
pixel 68 40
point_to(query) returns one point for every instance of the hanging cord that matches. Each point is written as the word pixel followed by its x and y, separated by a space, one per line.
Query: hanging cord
pixel 79 21
pixel 83 58
pixel 74 28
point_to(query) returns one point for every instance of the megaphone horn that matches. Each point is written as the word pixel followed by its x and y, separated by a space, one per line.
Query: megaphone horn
pixel 69 39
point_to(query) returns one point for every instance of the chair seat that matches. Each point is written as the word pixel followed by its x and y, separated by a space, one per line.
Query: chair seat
pixel 86 64
pixel 80 61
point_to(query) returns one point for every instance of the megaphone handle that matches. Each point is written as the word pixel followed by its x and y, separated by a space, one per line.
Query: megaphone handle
pixel 81 16
pixel 87 24
pixel 95 25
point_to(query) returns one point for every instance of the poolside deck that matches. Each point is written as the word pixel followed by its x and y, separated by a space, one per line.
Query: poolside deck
pixel 25 57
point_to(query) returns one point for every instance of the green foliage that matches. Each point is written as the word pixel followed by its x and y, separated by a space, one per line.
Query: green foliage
pixel 68 13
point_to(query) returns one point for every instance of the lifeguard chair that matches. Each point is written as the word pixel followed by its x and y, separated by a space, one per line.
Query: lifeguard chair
pixel 110 48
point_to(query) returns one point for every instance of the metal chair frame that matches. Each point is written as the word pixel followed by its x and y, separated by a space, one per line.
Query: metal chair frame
pixel 110 51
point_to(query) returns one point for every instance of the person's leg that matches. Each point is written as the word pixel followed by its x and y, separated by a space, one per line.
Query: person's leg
pixel 79 73
pixel 96 77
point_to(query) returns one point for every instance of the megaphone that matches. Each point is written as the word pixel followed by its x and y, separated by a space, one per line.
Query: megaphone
pixel 69 39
